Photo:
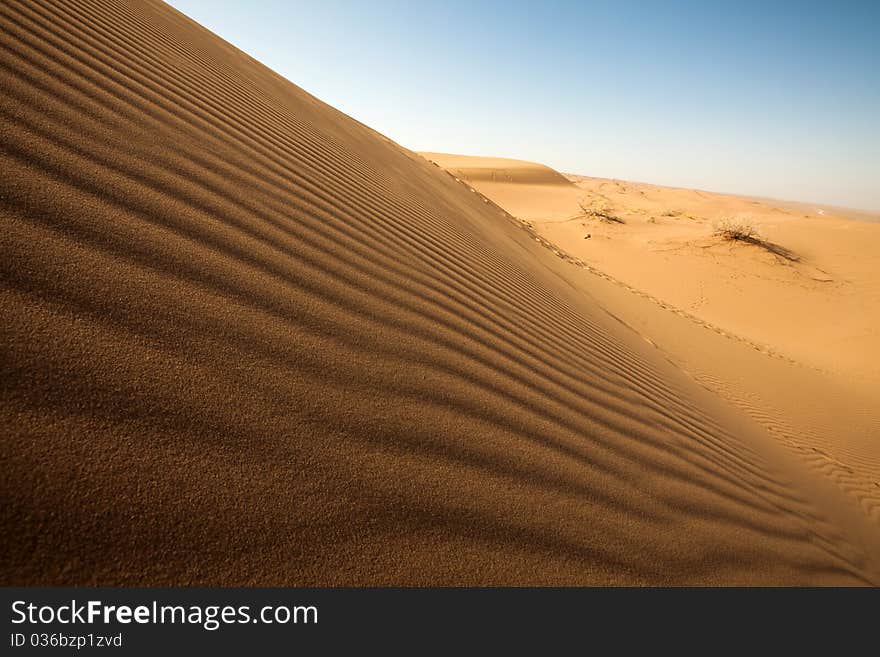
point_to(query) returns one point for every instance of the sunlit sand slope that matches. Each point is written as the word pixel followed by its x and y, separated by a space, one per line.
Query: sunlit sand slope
pixel 782 325
pixel 247 340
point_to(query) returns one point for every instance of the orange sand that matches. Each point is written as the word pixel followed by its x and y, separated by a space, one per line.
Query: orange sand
pixel 248 340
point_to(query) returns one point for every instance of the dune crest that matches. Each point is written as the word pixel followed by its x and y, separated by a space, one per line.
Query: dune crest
pixel 497 169
pixel 248 340
pixel 524 189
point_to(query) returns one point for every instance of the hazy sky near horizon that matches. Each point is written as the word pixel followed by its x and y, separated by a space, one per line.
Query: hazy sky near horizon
pixel 778 99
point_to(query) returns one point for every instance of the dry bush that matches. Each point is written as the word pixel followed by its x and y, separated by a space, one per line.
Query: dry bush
pixel 741 229
pixel 601 211
pixel 737 228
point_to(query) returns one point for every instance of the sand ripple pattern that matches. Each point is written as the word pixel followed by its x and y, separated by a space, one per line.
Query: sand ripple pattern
pixel 248 340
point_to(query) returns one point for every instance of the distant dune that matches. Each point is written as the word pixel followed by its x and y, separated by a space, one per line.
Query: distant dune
pixel 248 340
pixel 501 170
pixel 525 189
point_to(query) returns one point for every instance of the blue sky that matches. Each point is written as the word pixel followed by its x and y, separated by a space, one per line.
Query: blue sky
pixel 763 98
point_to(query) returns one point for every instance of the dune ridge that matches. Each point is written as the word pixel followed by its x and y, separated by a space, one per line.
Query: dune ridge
pixel 497 169
pixel 248 340
pixel 527 190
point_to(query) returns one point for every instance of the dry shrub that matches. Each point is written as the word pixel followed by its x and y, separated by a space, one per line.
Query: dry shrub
pixel 741 229
pixel 601 211
pixel 737 228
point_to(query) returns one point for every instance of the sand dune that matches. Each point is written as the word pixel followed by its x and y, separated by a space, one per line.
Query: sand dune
pixel 782 328
pixel 248 340
pixel 500 170
pixel 525 189
pixel 812 258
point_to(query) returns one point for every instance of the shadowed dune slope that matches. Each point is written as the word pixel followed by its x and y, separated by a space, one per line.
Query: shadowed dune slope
pixel 247 340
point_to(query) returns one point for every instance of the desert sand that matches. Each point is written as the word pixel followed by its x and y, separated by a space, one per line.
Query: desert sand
pixel 249 340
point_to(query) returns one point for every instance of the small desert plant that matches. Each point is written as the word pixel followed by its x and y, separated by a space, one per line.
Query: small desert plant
pixel 601 211
pixel 737 228
pixel 741 229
